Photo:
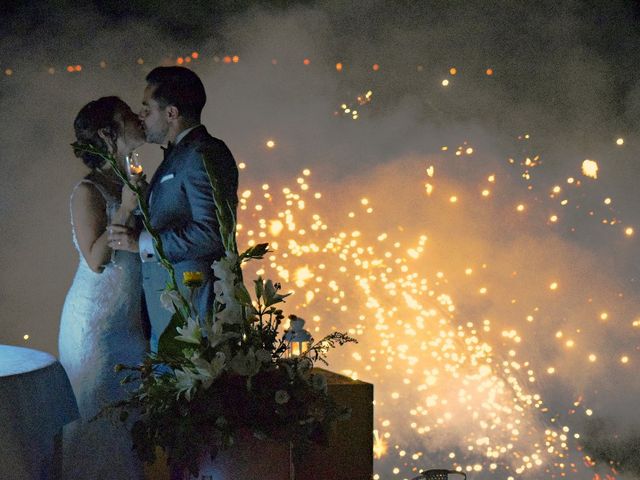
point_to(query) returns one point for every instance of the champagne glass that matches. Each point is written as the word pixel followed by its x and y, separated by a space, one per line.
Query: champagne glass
pixel 134 167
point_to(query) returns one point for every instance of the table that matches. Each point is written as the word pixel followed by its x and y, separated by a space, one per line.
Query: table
pixel 36 400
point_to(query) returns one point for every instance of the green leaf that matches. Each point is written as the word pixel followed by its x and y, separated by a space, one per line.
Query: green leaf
pixel 257 251
pixel 168 345
pixel 259 287
pixel 225 202
pixel 271 295
pixel 242 294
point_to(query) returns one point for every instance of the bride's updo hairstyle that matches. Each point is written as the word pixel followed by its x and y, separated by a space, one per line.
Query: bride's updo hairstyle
pixel 94 116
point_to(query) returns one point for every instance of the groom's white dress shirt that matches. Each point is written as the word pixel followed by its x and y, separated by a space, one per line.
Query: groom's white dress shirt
pixel 145 241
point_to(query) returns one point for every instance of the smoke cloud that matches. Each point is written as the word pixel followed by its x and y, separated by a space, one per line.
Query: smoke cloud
pixel 536 91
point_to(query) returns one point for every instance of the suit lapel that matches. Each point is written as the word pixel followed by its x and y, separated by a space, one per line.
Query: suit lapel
pixel 184 144
pixel 156 178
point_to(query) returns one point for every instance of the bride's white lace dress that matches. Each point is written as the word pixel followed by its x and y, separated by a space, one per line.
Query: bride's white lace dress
pixel 100 327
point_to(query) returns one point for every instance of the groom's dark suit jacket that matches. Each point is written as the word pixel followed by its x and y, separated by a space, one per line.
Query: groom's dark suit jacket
pixel 183 212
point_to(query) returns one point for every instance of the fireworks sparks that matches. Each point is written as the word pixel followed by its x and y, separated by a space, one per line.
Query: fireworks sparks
pixel 435 372
pixel 350 110
pixel 590 169
pixel 379 445
pixel 444 373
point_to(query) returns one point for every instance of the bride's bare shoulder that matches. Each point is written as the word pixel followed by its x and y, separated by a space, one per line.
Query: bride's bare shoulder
pixel 86 194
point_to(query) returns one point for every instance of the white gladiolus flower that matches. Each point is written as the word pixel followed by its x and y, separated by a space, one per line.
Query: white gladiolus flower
pixel 232 313
pixel 209 371
pixel 263 355
pixel 191 333
pixel 226 278
pixel 195 355
pixel 282 397
pixel 185 382
pixel 215 335
pixel 245 364
pixel 304 366
pixel 289 370
pixel 319 382
pixel 224 288
pixel 169 299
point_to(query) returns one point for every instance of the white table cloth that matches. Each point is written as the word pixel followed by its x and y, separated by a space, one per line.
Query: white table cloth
pixel 36 400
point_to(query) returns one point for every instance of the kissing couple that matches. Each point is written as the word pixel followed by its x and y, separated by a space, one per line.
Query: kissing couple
pixel 112 313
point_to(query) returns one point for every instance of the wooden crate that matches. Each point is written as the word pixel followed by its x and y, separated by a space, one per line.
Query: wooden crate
pixel 348 455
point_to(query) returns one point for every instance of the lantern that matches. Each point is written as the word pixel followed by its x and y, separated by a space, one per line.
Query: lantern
pixel 298 340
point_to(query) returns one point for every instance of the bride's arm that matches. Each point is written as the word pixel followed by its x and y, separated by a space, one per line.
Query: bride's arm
pixel 128 204
pixel 90 223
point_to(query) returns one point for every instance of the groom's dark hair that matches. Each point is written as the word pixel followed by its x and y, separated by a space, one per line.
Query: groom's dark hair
pixel 180 87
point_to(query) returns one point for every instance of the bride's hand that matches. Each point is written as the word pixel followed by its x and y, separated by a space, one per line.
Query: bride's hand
pixel 121 237
pixel 140 181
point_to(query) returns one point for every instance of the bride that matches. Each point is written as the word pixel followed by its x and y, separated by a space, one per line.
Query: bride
pixel 101 318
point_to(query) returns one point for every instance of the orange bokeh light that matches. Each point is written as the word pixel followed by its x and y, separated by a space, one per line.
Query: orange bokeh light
pixel 180 60
pixel 376 67
pixel 78 68
pixel 227 59
pixel 70 68
pixel 195 54
pixel 339 66
pixel 235 59
pixel 453 70
pixel 489 71
pixel 306 61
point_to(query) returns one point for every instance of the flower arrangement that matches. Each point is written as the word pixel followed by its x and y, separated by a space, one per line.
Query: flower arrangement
pixel 226 371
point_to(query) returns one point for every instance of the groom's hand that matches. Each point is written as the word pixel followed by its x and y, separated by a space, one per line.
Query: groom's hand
pixel 121 237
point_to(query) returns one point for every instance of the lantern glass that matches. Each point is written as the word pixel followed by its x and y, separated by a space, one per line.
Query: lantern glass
pixel 297 338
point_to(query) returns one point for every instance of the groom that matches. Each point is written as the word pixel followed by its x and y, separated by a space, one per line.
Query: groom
pixel 180 197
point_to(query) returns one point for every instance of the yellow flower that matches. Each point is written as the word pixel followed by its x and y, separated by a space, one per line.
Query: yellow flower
pixel 192 279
